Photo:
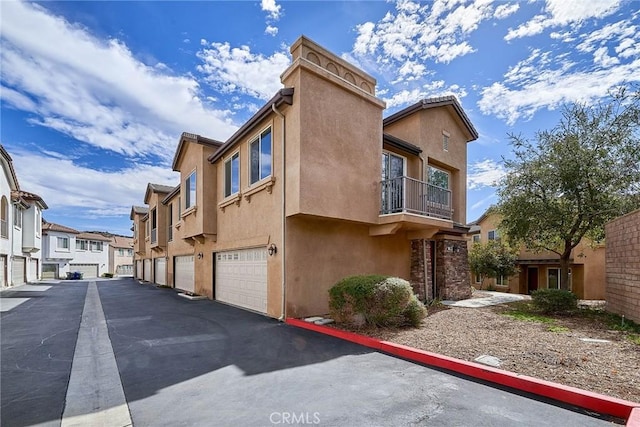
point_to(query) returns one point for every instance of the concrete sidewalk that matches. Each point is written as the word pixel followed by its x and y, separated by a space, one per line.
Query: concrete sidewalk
pixel 487 298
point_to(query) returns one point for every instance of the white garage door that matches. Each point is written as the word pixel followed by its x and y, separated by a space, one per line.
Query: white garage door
pixel 139 274
pixel 33 270
pixel 184 274
pixel 88 270
pixel 49 271
pixel 17 271
pixel 160 271
pixel 241 278
pixel 3 268
pixel 147 270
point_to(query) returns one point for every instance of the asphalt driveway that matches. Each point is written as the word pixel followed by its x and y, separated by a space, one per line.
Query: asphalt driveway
pixel 190 363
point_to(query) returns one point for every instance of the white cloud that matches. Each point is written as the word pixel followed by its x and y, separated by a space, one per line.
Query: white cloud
pixel 271 30
pixel 273 10
pixel 237 70
pixel 505 10
pixel 417 33
pixel 545 80
pixel 562 13
pixel 95 90
pixel 76 187
pixel 484 173
pixel 433 89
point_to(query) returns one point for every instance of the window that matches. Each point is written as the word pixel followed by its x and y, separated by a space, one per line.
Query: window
pixel 38 223
pixel 82 245
pixel 232 175
pixel 179 207
pixel 4 218
pixel 478 279
pixel 63 243
pixel 120 252
pixel 553 278
pixel 476 238
pixel 438 177
pixel 493 235
pixel 96 246
pixel 190 193
pixel 135 231
pixel 393 167
pixel 260 156
pixel 170 230
pixel 130 252
pixel 17 216
pixel 500 281
pixel 439 193
pixel 154 223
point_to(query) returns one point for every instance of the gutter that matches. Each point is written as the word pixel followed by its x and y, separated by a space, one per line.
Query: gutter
pixel 284 221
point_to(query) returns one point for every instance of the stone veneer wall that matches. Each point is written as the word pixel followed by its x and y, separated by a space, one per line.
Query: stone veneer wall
pixel 622 262
pixel 421 269
pixel 452 270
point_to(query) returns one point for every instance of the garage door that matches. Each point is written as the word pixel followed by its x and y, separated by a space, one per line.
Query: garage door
pixel 241 278
pixel 160 271
pixel 49 271
pixel 33 270
pixel 183 273
pixel 17 271
pixel 3 268
pixel 88 270
pixel 139 274
pixel 147 270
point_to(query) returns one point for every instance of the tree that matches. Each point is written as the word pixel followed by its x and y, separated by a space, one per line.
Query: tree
pixel 492 259
pixel 571 180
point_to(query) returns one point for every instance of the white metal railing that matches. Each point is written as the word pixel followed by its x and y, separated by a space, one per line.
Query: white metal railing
pixel 404 194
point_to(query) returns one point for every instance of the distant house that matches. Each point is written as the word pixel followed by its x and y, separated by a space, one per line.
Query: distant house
pixel 541 270
pixel 66 250
pixel 121 256
pixel 20 228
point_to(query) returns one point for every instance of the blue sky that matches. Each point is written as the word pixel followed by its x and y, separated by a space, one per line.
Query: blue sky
pixel 94 95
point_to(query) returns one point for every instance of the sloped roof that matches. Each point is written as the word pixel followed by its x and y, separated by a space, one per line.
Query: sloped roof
pixel 156 188
pixel 187 137
pixel 93 236
pixel 51 226
pixel 442 101
pixel 122 242
pixel 171 195
pixel 32 197
pixel 7 162
pixel 138 210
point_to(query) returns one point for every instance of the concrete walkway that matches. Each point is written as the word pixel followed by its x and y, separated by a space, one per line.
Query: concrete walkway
pixel 491 298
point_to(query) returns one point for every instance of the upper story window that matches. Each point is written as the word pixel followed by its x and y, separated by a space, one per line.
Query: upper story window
pixel 170 228
pixel 493 235
pixel 260 156
pixel 96 246
pixel 63 243
pixel 17 216
pixel 439 177
pixel 135 231
pixel 179 207
pixel 232 175
pixel 4 218
pixel 38 223
pixel 190 193
pixel 476 238
pixel 154 224
pixel 82 245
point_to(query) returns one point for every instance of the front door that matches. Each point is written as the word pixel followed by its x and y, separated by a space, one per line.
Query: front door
pixel 532 279
pixel 392 183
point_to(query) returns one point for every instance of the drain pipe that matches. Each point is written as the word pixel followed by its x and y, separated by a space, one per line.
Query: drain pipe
pixel 282 317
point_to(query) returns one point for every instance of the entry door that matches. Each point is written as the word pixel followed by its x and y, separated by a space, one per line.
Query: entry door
pixel 532 279
pixel 392 183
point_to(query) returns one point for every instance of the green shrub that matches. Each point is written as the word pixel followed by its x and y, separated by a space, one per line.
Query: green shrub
pixel 375 300
pixel 554 300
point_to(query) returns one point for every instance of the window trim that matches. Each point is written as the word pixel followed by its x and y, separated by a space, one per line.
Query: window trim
pixel 496 234
pixel 258 138
pixel 81 241
pixel 18 217
pixel 187 197
pixel 226 161
pixel 431 166
pixel 62 248
pixel 476 238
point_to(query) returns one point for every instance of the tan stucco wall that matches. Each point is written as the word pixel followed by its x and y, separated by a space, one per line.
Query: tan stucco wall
pixel 320 252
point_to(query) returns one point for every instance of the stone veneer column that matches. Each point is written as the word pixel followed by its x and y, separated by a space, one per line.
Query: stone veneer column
pixel 418 270
pixel 452 270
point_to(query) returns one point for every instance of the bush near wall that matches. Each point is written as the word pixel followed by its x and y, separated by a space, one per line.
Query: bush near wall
pixel 376 301
pixel 554 300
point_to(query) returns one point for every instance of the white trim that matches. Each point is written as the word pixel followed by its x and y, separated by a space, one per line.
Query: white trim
pixel 251 140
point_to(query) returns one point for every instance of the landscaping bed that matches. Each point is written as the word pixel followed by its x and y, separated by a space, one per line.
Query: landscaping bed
pixel 549 347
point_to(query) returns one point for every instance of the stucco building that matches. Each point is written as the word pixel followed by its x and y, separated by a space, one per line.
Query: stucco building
pixel 541 270
pixel 121 256
pixel 316 186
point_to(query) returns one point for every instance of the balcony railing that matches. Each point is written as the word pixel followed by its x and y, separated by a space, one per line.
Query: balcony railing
pixel 404 194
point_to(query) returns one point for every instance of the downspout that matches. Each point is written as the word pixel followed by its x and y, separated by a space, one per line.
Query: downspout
pixel 284 222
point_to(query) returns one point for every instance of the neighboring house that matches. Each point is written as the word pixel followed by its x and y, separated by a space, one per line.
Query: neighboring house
pixel 20 228
pixel 121 256
pixel 541 270
pixel 317 186
pixel 66 250
pixel 623 265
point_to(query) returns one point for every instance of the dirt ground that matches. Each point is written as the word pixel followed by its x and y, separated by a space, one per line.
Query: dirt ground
pixel 552 351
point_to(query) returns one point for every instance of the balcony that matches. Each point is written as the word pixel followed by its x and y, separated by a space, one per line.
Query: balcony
pixel 408 195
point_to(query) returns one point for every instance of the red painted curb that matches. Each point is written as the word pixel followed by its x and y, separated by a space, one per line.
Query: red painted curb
pixel 599 403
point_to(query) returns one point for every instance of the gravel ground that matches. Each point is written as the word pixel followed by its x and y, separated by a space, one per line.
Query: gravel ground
pixel 531 348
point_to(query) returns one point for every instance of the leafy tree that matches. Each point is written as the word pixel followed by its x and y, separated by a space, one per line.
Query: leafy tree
pixel 573 179
pixel 492 259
